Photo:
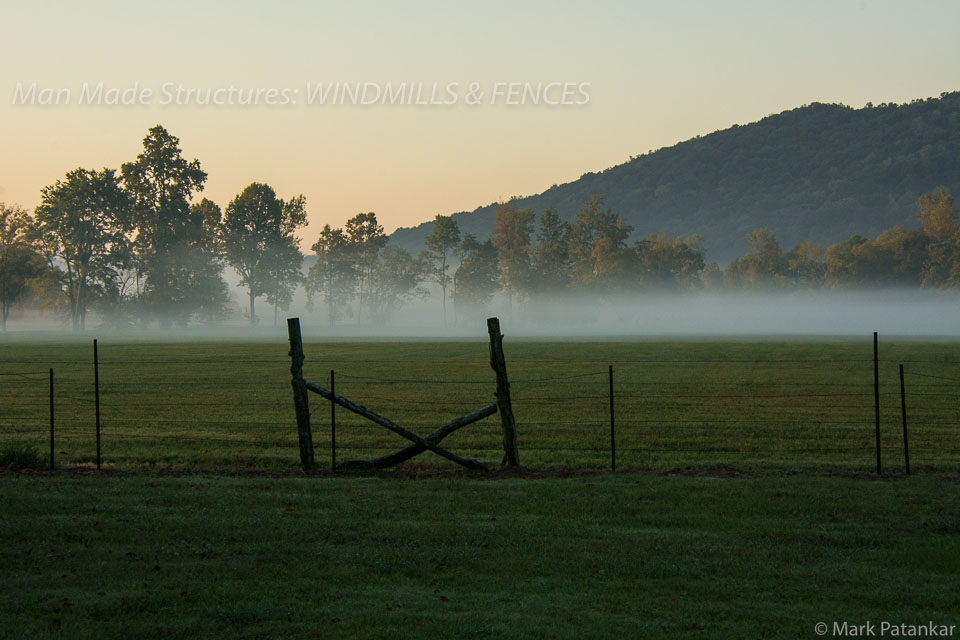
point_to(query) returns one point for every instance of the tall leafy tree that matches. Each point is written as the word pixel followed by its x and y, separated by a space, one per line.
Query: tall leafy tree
pixel 19 262
pixel 511 237
pixel 367 238
pixel 259 242
pixel 334 275
pixel 478 276
pixel 284 273
pixel 859 262
pixel 81 228
pixel 551 256
pixel 598 246
pixel 669 263
pixel 764 267
pixel 203 255
pixel 161 183
pixel 441 244
pixel 938 221
pixel 806 265
pixel 937 215
pixel 395 281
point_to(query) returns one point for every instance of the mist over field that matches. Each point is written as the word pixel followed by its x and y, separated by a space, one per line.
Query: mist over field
pixel 899 312
pixel 849 313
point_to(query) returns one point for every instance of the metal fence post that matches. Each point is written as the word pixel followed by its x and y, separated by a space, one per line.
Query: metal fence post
pixel 96 395
pixel 903 413
pixel 613 440
pixel 52 466
pixel 333 424
pixel 876 395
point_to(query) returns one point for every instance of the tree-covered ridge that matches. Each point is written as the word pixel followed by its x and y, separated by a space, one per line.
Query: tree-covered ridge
pixel 817 173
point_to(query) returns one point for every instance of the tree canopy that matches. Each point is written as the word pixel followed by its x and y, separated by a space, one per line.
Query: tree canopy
pixel 81 229
pixel 177 268
pixel 259 243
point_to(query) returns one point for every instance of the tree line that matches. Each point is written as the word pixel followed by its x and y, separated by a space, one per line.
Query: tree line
pixel 530 256
pixel 136 245
pixel 592 254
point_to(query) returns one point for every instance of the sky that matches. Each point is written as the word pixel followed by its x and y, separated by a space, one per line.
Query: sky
pixel 639 76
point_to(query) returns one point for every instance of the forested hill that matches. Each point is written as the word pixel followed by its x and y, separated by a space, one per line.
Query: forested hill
pixel 821 172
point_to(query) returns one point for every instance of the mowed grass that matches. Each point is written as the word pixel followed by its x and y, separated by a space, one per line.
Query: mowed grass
pixel 594 556
pixel 757 516
pixel 763 405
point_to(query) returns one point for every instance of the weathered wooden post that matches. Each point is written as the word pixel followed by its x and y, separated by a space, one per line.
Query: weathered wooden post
pixel 300 401
pixel 511 452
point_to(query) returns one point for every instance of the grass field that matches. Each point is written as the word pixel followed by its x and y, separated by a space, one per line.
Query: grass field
pixel 775 405
pixel 594 556
pixel 747 508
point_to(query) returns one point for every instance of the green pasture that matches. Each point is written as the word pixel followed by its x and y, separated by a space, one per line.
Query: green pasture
pixel 770 405
pixel 627 555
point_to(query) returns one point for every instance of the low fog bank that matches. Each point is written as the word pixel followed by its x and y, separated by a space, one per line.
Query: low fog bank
pixel 895 312
pixel 907 313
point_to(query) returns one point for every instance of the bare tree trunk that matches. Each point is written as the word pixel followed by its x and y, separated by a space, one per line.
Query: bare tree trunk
pixel 73 291
pixel 360 301
pixel 443 287
pixel 456 316
pixel 78 309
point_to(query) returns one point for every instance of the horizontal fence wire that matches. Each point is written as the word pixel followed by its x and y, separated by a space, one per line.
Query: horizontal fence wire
pixel 925 375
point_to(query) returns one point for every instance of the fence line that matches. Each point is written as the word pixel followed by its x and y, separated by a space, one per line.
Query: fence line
pixel 778 413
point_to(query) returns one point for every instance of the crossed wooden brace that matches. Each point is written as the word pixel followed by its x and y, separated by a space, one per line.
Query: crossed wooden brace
pixel 419 444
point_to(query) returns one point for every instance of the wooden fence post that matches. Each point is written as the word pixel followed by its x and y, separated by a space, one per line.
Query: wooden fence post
pixel 511 450
pixel 300 401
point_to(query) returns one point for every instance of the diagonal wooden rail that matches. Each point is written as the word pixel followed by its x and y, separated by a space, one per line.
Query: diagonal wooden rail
pixel 385 462
pixel 425 443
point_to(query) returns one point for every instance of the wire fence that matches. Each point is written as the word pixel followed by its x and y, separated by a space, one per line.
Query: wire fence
pixel 215 406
